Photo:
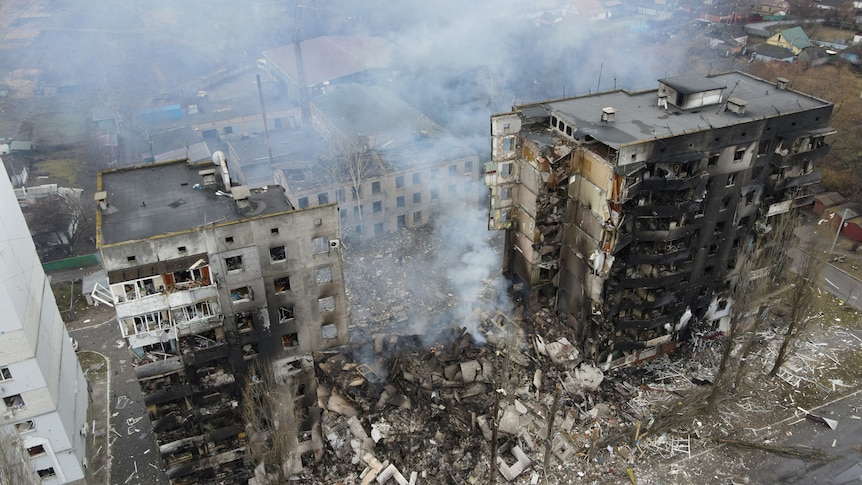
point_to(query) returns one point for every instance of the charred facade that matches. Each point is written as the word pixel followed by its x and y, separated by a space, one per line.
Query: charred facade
pixel 628 209
pixel 207 278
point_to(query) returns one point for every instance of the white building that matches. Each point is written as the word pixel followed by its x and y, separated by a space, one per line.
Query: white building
pixel 43 389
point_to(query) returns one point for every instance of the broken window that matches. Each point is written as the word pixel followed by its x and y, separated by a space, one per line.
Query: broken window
pixel 356 211
pixel 417 197
pixel 731 179
pixel 285 313
pixel 339 195
pixel 244 322
pixel 468 168
pixel 417 178
pixel 46 473
pixel 290 340
pixel 233 263
pixel 282 284
pixel 375 187
pixel 399 182
pixel 453 170
pixel 738 154
pixel 399 202
pixel 402 221
pixel 36 450
pixel 277 254
pixel 323 275
pixel 300 389
pixel 14 402
pixel 228 239
pixel 328 331
pixel 435 194
pixel 303 202
pixel 241 294
pixel 377 206
pixel 25 426
pixel 326 304
pixel 505 193
pixel 763 147
pixel 725 203
pixel 506 170
pixel 320 244
pixel 713 160
pixel 356 192
pixel 147 322
pixel 508 144
pixel 5 374
pixel 323 198
pixel 417 216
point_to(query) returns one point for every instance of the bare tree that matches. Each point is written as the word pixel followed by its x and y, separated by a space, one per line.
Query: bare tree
pixel 801 299
pixel 759 272
pixel 352 166
pixel 270 422
pixel 13 467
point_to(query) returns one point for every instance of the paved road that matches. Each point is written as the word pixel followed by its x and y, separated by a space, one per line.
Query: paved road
pixel 836 281
pixel 134 454
pixel 844 462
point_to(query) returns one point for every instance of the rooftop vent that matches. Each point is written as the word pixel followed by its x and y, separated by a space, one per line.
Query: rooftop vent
pixel 240 194
pixel 736 105
pixel 781 83
pixel 208 176
pixel 608 114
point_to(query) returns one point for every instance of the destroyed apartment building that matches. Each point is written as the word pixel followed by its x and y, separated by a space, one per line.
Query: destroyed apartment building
pixel 628 209
pixel 207 279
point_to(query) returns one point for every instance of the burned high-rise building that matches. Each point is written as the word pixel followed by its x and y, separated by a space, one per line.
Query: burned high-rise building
pixel 208 278
pixel 628 209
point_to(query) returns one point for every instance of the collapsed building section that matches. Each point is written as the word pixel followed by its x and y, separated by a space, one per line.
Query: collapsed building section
pixel 629 209
pixel 208 278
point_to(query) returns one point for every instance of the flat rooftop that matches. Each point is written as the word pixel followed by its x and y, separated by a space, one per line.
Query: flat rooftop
pixel 158 199
pixel 638 117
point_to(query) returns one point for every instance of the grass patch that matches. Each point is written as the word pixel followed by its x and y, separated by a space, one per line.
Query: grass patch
pixel 94 365
pixel 63 171
pixel 64 293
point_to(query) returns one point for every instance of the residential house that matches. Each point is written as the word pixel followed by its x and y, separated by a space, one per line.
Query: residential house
pixel 793 39
pixel 628 210
pixel 768 53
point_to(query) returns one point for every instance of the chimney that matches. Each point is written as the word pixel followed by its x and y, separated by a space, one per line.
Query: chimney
pixel 208 176
pixel 781 83
pixel 608 114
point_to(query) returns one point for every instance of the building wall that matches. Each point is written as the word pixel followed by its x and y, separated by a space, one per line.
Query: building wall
pixel 37 355
pixel 651 230
pixel 392 200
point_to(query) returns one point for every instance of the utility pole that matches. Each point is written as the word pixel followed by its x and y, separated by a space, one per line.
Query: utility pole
pixel 840 226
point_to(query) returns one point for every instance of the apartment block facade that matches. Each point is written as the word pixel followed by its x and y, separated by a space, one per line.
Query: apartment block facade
pixel 207 277
pixel 44 391
pixel 389 166
pixel 629 209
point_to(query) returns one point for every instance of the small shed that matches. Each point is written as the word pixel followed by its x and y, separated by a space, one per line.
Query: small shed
pixel 836 213
pixel 826 200
pixel 853 229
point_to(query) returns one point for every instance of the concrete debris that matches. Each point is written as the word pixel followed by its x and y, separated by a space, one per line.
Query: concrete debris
pixel 511 472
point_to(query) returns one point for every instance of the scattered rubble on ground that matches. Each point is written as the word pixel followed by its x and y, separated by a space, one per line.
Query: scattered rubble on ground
pixel 407 406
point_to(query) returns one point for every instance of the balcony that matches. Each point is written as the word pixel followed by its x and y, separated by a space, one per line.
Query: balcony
pixel 674 255
pixel 789 182
pixel 669 234
pixel 786 158
pixel 648 323
pixel 665 184
pixel 664 281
